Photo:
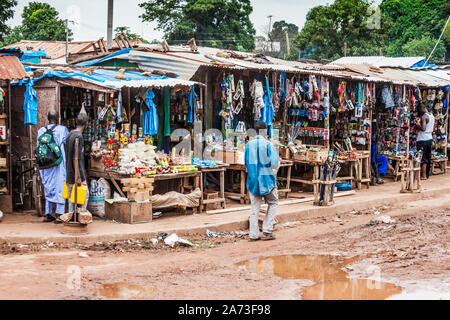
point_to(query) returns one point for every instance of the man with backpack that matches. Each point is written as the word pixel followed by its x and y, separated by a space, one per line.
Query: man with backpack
pixel 50 156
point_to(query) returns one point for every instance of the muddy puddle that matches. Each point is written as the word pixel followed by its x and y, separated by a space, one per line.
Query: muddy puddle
pixel 331 281
pixel 122 290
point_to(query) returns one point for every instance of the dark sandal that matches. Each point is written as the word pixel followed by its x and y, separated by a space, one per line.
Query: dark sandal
pixel 49 218
pixel 254 239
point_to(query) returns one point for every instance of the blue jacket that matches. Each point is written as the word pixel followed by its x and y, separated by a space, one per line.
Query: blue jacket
pixel 260 158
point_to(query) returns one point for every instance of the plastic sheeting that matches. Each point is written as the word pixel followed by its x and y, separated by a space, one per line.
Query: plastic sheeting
pixel 30 105
pixel 176 199
pixel 150 125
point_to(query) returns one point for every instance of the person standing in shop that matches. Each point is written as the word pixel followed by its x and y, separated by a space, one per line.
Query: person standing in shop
pixel 77 133
pixel 53 178
pixel 262 161
pixel 425 126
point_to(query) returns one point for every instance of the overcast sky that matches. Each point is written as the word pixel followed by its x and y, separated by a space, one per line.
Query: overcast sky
pixel 90 15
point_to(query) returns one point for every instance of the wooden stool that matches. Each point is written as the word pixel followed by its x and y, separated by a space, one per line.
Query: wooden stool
pixel 363 172
pixel 410 177
pixel 442 168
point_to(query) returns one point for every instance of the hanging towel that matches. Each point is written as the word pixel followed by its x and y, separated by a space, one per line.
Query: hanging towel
pixel 30 105
pixel 150 125
pixel 192 105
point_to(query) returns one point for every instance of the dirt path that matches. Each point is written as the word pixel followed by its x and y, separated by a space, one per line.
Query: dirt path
pixel 411 252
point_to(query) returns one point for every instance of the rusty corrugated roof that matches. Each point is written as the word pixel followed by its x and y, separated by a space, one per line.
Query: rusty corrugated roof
pixel 57 49
pixel 11 68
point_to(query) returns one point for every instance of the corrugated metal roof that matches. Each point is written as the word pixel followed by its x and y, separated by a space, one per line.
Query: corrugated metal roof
pixel 11 68
pixel 380 61
pixel 401 76
pixel 57 49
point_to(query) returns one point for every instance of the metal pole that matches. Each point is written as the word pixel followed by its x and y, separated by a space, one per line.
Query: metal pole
pixel 110 24
pixel 67 39
pixel 270 38
pixel 288 45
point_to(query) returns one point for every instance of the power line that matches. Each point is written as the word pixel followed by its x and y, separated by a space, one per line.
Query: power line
pixel 440 37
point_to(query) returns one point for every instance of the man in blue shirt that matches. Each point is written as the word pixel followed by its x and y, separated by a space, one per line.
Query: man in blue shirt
pixel 261 160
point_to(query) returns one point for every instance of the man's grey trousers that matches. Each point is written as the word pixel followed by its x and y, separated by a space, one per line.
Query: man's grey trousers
pixel 272 202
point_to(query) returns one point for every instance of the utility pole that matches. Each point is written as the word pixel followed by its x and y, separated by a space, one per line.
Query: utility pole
pixel 109 26
pixel 67 39
pixel 345 49
pixel 288 45
pixel 270 38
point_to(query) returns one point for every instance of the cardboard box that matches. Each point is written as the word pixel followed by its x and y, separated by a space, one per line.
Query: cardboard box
pixel 300 156
pixel 232 157
pixel 129 212
pixel 285 153
pixel 317 155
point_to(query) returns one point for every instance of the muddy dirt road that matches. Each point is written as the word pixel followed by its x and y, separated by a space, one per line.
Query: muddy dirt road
pixel 404 251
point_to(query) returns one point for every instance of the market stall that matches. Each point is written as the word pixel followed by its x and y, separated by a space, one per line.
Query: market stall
pixel 350 128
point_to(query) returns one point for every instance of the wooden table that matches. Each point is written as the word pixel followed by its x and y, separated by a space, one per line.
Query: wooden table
pixel 205 171
pixel 400 162
pixel 315 177
pixel 288 165
pixel 243 194
pixel 114 176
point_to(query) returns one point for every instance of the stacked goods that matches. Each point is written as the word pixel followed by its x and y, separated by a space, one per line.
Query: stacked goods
pixel 136 155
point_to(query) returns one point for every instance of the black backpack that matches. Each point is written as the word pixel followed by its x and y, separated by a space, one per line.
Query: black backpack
pixel 47 152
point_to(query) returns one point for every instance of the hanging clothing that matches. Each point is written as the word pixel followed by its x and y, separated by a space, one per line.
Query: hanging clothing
pixel 53 178
pixel 166 94
pixel 267 112
pixel 192 97
pixel 30 105
pixel 150 123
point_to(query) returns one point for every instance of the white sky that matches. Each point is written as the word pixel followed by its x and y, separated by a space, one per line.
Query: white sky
pixel 91 15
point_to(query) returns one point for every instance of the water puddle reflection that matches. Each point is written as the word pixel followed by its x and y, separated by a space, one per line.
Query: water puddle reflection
pixel 331 282
pixel 122 290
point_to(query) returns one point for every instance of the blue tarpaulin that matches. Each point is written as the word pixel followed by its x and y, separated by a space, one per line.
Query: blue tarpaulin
pixel 99 75
pixel 30 105
pixel 95 61
pixel 423 63
pixel 150 125
pixel 192 105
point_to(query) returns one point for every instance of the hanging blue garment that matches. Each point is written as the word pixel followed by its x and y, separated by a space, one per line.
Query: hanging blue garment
pixel 150 125
pixel 192 105
pixel 282 86
pixel 267 112
pixel 30 104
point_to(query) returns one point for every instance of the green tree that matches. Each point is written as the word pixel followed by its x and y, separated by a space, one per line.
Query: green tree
pixel 423 47
pixel 13 35
pixel 40 21
pixel 128 33
pixel 415 20
pixel 278 34
pixel 226 23
pixel 6 13
pixel 329 27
